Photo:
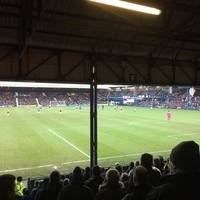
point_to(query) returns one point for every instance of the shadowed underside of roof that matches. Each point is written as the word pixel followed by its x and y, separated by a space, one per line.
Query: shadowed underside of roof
pixel 59 40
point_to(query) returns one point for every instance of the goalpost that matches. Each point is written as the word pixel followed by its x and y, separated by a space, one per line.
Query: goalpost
pixel 57 103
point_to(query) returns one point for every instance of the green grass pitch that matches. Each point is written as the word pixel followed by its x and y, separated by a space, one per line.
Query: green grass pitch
pixel 33 144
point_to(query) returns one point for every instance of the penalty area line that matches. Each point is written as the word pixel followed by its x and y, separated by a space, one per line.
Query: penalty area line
pixel 26 168
pixel 180 135
pixel 68 142
pixel 82 161
pixel 118 156
pixel 133 154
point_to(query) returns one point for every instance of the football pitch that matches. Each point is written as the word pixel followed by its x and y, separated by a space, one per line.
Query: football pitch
pixel 34 143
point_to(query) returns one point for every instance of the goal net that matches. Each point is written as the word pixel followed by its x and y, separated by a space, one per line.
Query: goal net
pixel 57 103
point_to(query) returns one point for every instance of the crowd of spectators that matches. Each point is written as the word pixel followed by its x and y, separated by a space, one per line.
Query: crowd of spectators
pixel 44 97
pixel 147 179
pixel 159 97
pixel 6 98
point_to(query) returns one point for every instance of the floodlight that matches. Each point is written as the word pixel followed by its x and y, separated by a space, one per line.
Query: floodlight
pixel 129 6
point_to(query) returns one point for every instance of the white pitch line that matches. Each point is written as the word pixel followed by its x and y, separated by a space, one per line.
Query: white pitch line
pixel 26 168
pixel 82 161
pixel 68 142
pixel 134 154
pixel 76 161
pixel 180 135
pixel 119 156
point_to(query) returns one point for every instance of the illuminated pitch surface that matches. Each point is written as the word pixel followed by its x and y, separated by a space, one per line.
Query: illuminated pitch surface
pixel 33 143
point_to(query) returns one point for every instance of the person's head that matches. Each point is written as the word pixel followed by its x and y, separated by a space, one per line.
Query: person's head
pixel 137 163
pixel 124 177
pixel 162 161
pixel 147 160
pixel 55 176
pixel 140 176
pixel 96 171
pixel 66 182
pixel 157 163
pixel 118 167
pixel 112 176
pixel 185 157
pixel 87 171
pixel 77 175
pixel 7 187
pixel 19 179
pixel 131 165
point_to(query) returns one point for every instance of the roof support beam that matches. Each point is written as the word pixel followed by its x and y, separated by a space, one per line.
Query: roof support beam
pixel 186 74
pixel 25 25
pixel 110 69
pixel 135 68
pixel 7 54
pixel 75 66
pixel 59 60
pixel 40 64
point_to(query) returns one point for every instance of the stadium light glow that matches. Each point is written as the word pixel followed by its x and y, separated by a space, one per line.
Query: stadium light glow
pixel 129 6
pixel 52 85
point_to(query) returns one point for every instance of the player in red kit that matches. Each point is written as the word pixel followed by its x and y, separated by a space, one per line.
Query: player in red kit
pixel 169 115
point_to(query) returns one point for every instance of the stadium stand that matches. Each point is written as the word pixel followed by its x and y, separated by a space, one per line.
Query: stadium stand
pixel 35 96
pixel 155 97
pixel 179 181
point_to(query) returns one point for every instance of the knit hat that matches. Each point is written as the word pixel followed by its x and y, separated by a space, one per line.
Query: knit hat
pixel 112 176
pixel 185 156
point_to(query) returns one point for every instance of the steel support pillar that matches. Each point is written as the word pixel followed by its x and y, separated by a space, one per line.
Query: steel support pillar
pixel 93 115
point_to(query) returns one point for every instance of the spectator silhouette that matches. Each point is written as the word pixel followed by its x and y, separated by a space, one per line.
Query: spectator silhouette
pixel 140 183
pixel 38 186
pixel 130 167
pixel 87 173
pixel 111 188
pixel 153 173
pixel 53 189
pixel 95 180
pixel 44 185
pixel 158 164
pixel 66 181
pixel 7 187
pixel 19 188
pixel 118 167
pixel 25 194
pixel 124 178
pixel 137 163
pixel 184 181
pixel 76 190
